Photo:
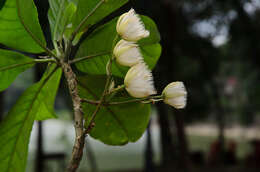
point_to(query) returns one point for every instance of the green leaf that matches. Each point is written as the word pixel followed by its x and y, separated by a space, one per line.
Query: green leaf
pixel 48 95
pixel 12 32
pixel 11 65
pixel 28 16
pixel 101 41
pixel 15 129
pixel 115 124
pixel 60 15
pixel 85 8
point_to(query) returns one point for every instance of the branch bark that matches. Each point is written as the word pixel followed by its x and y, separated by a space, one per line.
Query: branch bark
pixel 79 142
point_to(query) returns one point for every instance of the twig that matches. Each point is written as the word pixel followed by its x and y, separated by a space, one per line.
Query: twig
pixel 151 98
pixel 119 88
pixel 101 101
pixel 93 102
pixel 77 151
pixel 108 81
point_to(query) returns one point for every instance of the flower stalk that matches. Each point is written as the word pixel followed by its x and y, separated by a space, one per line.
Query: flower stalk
pixel 115 90
pixel 102 99
pixel 106 89
pixel 140 100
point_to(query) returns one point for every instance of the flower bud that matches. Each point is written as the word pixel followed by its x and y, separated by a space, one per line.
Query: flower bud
pixel 175 95
pixel 130 27
pixel 127 53
pixel 139 81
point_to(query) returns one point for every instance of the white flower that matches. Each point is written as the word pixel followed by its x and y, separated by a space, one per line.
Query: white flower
pixel 175 95
pixel 130 27
pixel 139 81
pixel 127 53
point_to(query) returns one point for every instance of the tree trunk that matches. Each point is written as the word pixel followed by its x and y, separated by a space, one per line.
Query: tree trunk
pixel 149 165
pixel 166 136
pixel 220 117
pixel 182 141
pixel 39 167
pixel 221 127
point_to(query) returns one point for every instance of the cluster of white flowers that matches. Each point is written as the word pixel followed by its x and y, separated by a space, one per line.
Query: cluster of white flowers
pixel 139 80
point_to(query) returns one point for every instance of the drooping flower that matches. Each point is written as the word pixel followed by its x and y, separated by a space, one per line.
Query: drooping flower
pixel 127 53
pixel 139 81
pixel 175 94
pixel 130 27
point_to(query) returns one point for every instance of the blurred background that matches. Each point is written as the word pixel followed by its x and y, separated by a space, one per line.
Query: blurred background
pixel 211 45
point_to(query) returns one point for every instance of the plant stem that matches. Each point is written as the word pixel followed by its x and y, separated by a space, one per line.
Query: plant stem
pixel 129 101
pixel 81 133
pixel 157 98
pixel 101 101
pixel 79 142
pixel 45 60
pixel 119 88
pixel 95 102
pixel 108 81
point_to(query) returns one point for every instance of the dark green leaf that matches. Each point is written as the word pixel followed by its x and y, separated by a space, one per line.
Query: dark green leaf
pixel 86 6
pixel 11 65
pixel 101 41
pixel 15 129
pixel 116 124
pixel 28 16
pixel 12 32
